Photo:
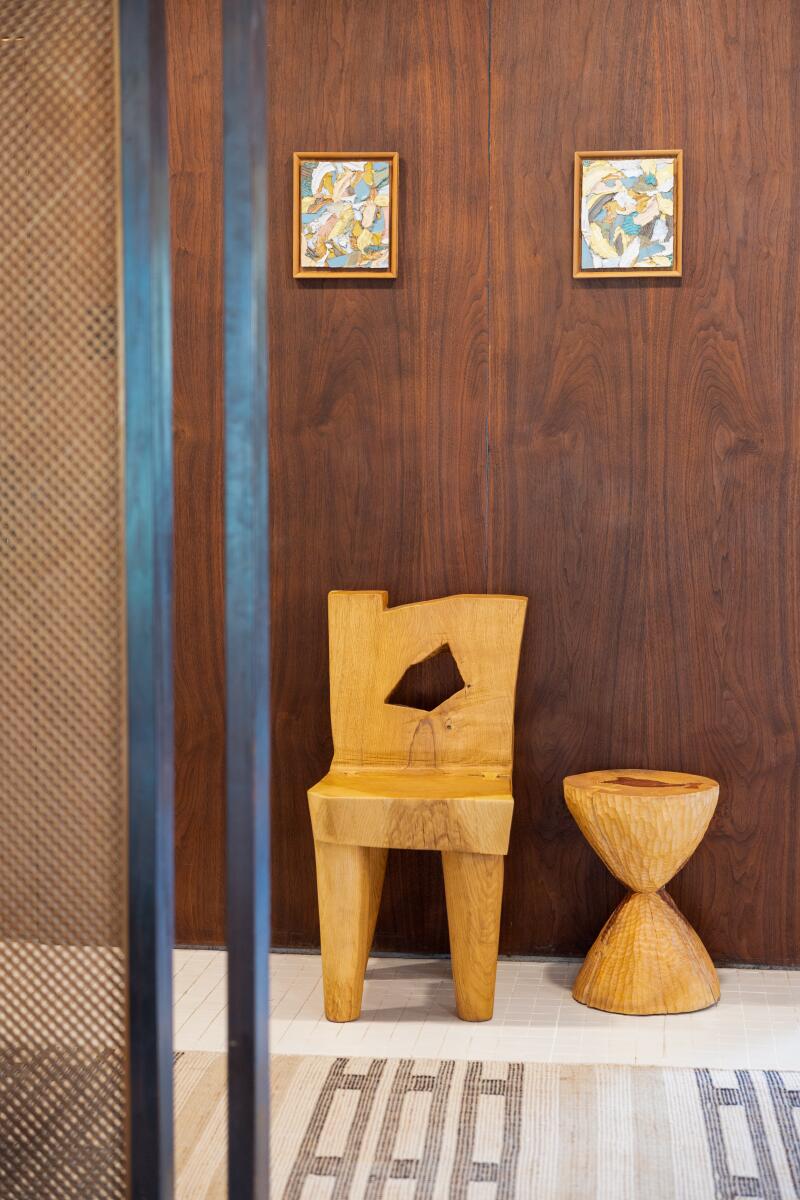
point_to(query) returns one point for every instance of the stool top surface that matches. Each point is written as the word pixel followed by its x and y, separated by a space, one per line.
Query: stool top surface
pixel 636 782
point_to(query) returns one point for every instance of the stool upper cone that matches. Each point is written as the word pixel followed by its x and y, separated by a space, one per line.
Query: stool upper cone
pixel 644 825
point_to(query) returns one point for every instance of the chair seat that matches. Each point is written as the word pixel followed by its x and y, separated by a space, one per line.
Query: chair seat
pixel 413 810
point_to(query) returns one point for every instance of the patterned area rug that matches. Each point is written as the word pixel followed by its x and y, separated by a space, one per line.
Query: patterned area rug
pixel 391 1129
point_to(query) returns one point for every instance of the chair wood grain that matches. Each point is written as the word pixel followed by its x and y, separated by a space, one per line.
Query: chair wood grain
pixel 409 778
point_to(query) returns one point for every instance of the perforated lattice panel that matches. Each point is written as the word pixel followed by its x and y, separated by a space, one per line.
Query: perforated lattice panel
pixel 62 760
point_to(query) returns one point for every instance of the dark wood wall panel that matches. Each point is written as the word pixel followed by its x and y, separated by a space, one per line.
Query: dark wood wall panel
pixel 378 389
pixel 194 29
pixel 644 443
pixel 623 452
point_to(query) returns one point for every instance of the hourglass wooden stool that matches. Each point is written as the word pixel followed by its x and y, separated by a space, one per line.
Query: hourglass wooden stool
pixel 645 825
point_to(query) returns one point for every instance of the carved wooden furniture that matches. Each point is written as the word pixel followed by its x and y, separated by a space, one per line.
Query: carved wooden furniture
pixel 407 778
pixel 644 825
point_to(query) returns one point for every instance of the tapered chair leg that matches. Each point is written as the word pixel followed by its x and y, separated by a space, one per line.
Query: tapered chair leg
pixel 473 885
pixel 349 884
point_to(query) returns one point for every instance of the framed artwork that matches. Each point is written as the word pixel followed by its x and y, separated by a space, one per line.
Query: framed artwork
pixel 628 213
pixel 345 215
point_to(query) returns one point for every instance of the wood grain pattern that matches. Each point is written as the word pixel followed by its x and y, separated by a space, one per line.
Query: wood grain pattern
pixel 460 812
pixel 413 779
pixel 644 825
pixel 647 960
pixel 350 880
pixel 195 158
pixel 631 465
pixel 372 645
pixel 378 389
pixel 473 885
pixel 405 777
pixel 647 430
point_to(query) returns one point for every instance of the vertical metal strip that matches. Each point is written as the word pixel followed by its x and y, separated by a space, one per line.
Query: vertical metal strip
pixel 148 521
pixel 246 595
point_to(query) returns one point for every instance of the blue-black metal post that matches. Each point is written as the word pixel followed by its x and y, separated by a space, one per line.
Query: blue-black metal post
pixel 246 595
pixel 148 536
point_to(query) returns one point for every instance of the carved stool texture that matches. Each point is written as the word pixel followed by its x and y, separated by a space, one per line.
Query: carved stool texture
pixel 644 825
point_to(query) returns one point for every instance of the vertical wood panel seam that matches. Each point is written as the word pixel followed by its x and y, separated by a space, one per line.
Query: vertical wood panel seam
pixel 489 340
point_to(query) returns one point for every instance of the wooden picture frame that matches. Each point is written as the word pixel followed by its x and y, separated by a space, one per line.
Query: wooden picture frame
pixel 579 268
pixel 304 271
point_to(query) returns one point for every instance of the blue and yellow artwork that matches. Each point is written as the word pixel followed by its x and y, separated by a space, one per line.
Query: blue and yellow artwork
pixel 627 215
pixel 345 214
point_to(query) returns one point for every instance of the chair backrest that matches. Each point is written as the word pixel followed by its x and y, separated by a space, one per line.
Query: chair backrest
pixel 372 646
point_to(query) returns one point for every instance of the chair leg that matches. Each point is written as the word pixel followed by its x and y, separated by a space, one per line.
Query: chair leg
pixel 349 884
pixel 473 885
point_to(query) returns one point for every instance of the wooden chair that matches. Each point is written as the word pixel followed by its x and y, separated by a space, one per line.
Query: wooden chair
pixel 411 779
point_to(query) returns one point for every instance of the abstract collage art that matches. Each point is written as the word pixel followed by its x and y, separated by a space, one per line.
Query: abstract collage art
pixel 627 213
pixel 347 215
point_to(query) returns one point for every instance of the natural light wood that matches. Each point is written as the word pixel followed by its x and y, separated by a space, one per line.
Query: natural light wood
pixel 371 646
pixel 411 779
pixel 473 885
pixel 644 825
pixel 349 883
pixel 460 812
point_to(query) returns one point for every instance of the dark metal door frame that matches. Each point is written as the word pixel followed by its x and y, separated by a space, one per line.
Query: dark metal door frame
pixel 246 595
pixel 148 501
pixel 148 537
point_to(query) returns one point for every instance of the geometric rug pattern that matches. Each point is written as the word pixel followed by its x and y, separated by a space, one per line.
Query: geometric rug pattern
pixel 392 1129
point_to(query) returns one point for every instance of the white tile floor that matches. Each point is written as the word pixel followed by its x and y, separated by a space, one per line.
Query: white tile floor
pixel 408 1010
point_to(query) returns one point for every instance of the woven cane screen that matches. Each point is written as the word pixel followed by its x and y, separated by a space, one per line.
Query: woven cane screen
pixel 62 747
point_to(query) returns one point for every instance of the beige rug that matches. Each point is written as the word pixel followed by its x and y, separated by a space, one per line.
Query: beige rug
pixel 392 1129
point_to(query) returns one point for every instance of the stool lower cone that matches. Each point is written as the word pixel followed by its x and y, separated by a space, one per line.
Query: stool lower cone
pixel 647 959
